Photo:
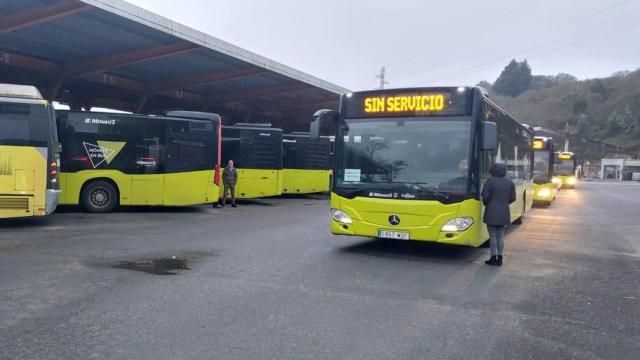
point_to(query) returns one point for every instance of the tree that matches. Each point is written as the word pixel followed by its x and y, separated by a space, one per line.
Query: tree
pixel 614 122
pixel 629 120
pixel 580 106
pixel 583 124
pixel 564 78
pixel 601 89
pixel 514 79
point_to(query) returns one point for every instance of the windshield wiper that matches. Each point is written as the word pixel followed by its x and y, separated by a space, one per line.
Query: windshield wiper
pixel 419 187
pixel 353 191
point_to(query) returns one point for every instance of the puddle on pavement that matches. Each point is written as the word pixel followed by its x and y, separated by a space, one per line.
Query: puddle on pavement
pixel 172 265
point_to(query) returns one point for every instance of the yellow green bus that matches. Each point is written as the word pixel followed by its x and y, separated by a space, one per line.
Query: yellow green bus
pixel 545 185
pixel 256 150
pixel 111 160
pixel 564 169
pixel 29 153
pixel 410 163
pixel 306 164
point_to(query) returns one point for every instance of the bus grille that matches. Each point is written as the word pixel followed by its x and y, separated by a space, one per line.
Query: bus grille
pixel 14 203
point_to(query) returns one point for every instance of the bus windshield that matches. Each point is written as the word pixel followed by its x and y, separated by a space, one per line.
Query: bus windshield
pixel 24 124
pixel 414 158
pixel 565 167
pixel 541 166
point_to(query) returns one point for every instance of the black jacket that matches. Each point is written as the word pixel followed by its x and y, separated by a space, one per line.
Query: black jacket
pixel 498 192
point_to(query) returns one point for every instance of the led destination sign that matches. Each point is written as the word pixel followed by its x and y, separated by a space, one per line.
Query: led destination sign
pixel 397 103
pixel 391 104
pixel 565 156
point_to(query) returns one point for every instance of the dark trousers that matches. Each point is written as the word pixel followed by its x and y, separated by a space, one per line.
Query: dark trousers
pixel 228 188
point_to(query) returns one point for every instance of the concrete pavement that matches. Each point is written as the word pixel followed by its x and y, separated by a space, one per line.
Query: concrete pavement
pixel 267 281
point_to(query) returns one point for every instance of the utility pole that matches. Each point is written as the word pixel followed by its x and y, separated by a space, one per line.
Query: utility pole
pixel 381 77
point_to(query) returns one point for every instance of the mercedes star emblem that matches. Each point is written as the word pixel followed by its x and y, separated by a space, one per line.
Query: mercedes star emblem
pixel 394 219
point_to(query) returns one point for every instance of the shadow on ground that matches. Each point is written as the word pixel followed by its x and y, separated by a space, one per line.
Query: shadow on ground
pixel 421 251
pixel 416 251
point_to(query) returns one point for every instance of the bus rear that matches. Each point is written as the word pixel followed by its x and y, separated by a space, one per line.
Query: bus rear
pixel 410 163
pixel 256 150
pixel 306 164
pixel 29 157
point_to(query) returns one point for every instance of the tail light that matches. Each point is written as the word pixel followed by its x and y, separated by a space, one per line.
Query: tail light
pixel 216 176
pixel 54 168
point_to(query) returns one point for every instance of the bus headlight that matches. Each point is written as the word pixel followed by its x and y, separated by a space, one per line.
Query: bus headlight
pixel 556 180
pixel 340 216
pixel 544 193
pixel 457 224
pixel 572 180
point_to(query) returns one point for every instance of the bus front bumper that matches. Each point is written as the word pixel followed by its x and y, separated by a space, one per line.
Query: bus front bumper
pixel 429 233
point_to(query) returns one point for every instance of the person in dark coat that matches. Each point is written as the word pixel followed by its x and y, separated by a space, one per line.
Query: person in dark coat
pixel 498 192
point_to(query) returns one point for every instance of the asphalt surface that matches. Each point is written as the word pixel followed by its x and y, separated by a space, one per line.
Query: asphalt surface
pixel 267 281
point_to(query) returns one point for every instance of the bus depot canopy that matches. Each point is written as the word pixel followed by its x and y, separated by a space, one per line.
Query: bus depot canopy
pixel 109 53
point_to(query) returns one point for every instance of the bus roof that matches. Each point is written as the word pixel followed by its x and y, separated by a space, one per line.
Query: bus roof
pixel 20 91
pixel 172 115
pixel 194 115
pixel 252 127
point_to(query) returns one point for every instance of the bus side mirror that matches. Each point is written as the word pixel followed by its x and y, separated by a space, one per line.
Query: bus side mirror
pixel 319 118
pixel 489 136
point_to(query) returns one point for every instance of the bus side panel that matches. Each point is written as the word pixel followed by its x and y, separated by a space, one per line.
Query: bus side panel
pixel 191 188
pixel 72 183
pixel 288 181
pixel 257 183
pixel 516 207
pixel 307 181
pixel 422 219
pixel 23 181
pixel 148 189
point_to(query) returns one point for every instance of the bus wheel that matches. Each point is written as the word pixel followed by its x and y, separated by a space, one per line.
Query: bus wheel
pixel 520 220
pixel 99 197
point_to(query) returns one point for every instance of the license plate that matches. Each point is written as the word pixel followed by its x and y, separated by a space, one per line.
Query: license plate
pixel 397 235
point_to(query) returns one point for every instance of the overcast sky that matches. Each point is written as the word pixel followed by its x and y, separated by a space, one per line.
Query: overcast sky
pixel 422 42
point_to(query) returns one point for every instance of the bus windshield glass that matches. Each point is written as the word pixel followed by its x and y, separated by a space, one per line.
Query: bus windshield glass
pixel 565 167
pixel 24 124
pixel 410 158
pixel 541 166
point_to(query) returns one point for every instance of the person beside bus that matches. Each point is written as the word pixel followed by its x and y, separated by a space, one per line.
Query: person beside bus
pixel 498 192
pixel 229 179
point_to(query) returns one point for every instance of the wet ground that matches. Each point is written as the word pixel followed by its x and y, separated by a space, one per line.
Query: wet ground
pixel 267 281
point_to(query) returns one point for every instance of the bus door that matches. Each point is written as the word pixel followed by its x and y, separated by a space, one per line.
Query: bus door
pixel 148 181
pixel 190 162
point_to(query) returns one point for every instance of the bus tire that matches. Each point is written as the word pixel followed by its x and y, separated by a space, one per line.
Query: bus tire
pixel 99 197
pixel 520 220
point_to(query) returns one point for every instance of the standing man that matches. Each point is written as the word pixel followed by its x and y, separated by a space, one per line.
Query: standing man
pixel 229 179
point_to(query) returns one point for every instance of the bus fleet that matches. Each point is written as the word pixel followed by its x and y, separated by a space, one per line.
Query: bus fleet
pixel 405 164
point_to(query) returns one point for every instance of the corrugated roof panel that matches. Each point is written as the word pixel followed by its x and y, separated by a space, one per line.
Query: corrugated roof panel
pixel 141 55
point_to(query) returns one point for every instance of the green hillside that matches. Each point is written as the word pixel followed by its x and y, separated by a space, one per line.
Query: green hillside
pixel 591 112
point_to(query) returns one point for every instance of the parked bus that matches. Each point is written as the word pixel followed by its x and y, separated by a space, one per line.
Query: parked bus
pixel 545 185
pixel 410 163
pixel 120 159
pixel 306 164
pixel 256 150
pixel 29 153
pixel 564 169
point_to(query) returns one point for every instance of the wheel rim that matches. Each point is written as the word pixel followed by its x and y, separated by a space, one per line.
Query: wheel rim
pixel 100 197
